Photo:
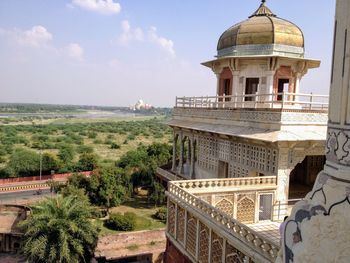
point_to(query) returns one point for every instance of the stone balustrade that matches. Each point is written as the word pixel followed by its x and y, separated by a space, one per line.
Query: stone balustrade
pixel 249 245
pixel 228 183
pixel 274 100
pixel 168 175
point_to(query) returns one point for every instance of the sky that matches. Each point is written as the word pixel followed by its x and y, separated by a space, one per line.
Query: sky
pixel 115 52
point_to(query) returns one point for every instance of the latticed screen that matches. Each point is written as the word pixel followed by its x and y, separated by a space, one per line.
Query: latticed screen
pixel 240 156
pixel 216 249
pixel 225 206
pixel 207 153
pixel 237 171
pixel 203 256
pixel 224 152
pixel 233 255
pixel 191 234
pixel 171 218
pixel 246 210
pixel 180 224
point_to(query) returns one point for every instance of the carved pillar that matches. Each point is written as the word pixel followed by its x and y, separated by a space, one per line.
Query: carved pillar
pixel 217 69
pixel 297 83
pixel 269 85
pixel 173 167
pixel 282 192
pixel 235 87
pixel 181 157
pixel 193 160
pixel 189 152
pixel 322 219
pixel 217 83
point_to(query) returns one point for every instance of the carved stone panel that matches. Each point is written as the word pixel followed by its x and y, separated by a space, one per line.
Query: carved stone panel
pixel 203 256
pixel 245 209
pixel 171 218
pixel 216 248
pixel 226 206
pixel 191 234
pixel 180 224
pixel 233 255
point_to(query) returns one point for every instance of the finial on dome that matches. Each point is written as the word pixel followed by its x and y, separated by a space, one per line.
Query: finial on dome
pixel 263 10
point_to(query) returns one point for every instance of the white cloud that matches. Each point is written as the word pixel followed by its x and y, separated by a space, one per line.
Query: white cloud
pixel 75 51
pixel 37 36
pixel 129 34
pixel 104 7
pixel 166 44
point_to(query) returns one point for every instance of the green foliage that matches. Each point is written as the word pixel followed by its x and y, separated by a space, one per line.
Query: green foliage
pixel 156 194
pixel 161 214
pixel 78 193
pixel 131 137
pixel 2 159
pixel 120 222
pixel 50 163
pixel 59 231
pixel 106 186
pixel 92 135
pixel 66 153
pixel 66 140
pixel 85 149
pixel 87 162
pixel 5 173
pixel 142 162
pixel 23 162
pixel 115 145
pixel 98 141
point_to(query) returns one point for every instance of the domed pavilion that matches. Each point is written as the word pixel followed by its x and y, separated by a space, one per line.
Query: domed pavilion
pixel 263 54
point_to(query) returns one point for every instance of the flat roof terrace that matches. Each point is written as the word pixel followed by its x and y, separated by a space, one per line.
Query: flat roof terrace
pixel 268 117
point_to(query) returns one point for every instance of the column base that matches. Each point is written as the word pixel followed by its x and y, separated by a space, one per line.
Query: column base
pixel 318 228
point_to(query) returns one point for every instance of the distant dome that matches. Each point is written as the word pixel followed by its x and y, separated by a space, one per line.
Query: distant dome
pixel 263 33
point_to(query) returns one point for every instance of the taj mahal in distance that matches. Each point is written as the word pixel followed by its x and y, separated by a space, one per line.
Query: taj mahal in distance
pixel 259 150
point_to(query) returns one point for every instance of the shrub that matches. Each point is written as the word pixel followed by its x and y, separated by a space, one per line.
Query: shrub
pixel 85 149
pixel 98 213
pixel 161 214
pixel 98 141
pixel 2 159
pixel 120 222
pixel 131 137
pixel 115 146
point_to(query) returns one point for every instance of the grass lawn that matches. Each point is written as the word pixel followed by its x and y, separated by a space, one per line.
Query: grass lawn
pixel 144 215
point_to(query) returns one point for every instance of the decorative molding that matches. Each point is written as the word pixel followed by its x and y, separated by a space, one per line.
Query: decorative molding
pixel 269 49
pixel 287 116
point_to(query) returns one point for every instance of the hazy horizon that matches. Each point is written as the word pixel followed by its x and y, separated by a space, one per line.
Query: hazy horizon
pixel 115 52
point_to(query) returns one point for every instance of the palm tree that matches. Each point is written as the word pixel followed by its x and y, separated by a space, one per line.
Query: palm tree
pixel 59 231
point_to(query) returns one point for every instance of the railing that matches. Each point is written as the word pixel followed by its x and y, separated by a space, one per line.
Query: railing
pixel 169 175
pixel 225 183
pixel 284 100
pixel 256 243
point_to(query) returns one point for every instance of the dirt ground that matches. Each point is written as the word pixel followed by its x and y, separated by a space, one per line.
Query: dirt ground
pixel 132 244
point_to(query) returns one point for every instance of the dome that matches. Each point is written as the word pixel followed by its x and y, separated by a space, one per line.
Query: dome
pixel 263 33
